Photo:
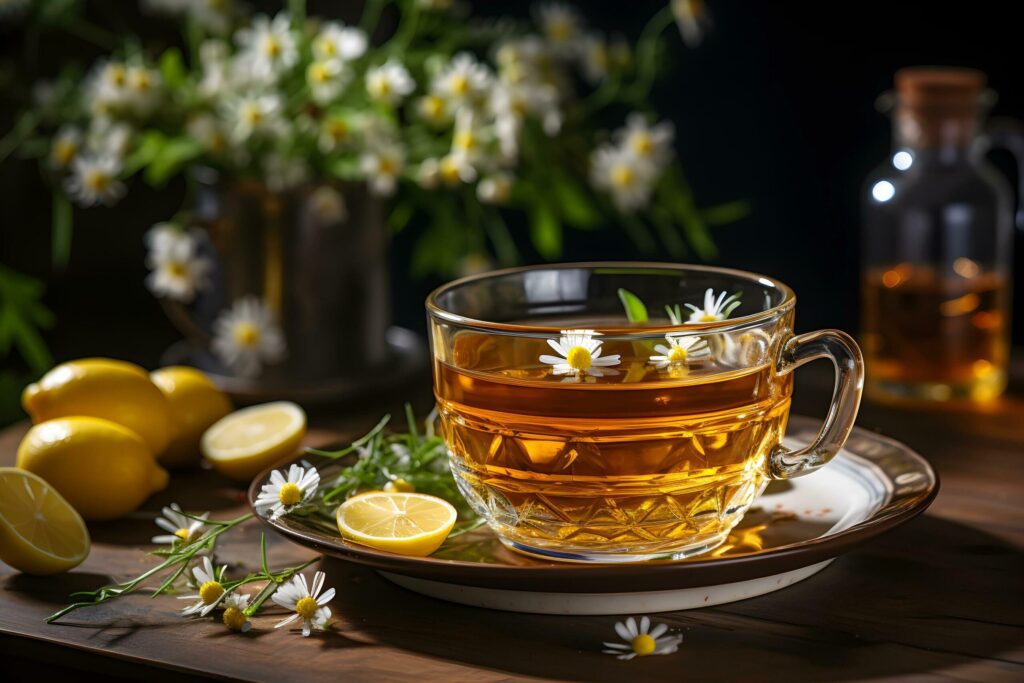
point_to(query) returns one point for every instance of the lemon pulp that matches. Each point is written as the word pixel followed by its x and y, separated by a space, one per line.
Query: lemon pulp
pixel 249 440
pixel 40 533
pixel 405 523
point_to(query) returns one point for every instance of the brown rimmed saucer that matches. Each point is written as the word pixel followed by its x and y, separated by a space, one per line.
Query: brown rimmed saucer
pixel 795 529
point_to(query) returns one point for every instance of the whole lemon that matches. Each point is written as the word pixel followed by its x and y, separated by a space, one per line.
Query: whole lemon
pixel 103 469
pixel 196 403
pixel 101 387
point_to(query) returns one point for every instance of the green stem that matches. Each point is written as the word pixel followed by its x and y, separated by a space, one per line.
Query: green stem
pixel 371 16
pixel 274 581
pixel 92 33
pixel 25 126
pixel 647 54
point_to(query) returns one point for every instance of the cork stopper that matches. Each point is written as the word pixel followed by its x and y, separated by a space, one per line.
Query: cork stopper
pixel 938 106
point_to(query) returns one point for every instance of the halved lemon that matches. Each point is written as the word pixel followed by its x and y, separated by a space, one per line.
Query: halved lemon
pixel 40 533
pixel 405 523
pixel 249 440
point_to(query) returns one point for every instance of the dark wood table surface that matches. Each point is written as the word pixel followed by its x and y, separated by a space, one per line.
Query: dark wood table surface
pixel 938 599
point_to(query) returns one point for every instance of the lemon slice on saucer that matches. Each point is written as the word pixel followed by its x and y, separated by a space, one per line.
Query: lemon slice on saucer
pixel 405 523
pixel 40 533
pixel 249 440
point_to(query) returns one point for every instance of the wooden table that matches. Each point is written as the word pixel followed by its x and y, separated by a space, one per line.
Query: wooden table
pixel 941 598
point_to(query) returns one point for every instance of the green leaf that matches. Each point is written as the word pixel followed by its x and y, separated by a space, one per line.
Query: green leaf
pixel 172 68
pixel 149 147
pixel 171 158
pixel 21 314
pixel 400 215
pixel 62 229
pixel 546 232
pixel 729 212
pixel 575 205
pixel 636 312
pixel 345 168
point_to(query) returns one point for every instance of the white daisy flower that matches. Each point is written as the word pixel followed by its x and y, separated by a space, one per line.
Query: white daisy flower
pixel 282 172
pixel 309 605
pixel 235 617
pixel 214 16
pixel 390 82
pixel 207 130
pixel 283 493
pixel 469 138
pixel 434 110
pixel 692 19
pixel 215 66
pixel 269 46
pixel 579 354
pixel 561 25
pixel 383 163
pixel 715 308
pixel 335 133
pixel 629 180
pixel 647 143
pixel 93 180
pixel 642 640
pixel 495 188
pixel 254 114
pixel 211 590
pixel 107 88
pixel 462 80
pixel 106 137
pixel 66 145
pixel 337 41
pixel 681 350
pixel 245 337
pixel 143 88
pixel 177 270
pixel 182 529
pixel 455 169
pixel 595 58
pixel 326 79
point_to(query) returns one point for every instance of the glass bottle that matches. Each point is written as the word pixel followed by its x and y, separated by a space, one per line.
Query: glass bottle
pixel 937 248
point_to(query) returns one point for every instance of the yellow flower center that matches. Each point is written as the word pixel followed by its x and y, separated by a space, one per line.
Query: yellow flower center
pixel 176 268
pixel 117 75
pixel 387 166
pixel 328 47
pixel 337 129
pixel 579 358
pixel 141 80
pixel 623 176
pixel 183 534
pixel 252 114
pixel 234 619
pixel 464 140
pixel 643 644
pixel 432 107
pixel 64 152
pixel 272 47
pixel 318 73
pixel 678 354
pixel 599 56
pixel 382 87
pixel 290 494
pixel 247 334
pixel 559 31
pixel 642 144
pixel 708 318
pixel 460 84
pixel 210 592
pixel 97 181
pixel 306 607
pixel 449 171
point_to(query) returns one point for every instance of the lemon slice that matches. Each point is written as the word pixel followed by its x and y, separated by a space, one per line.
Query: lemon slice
pixel 249 440
pixel 405 523
pixel 40 533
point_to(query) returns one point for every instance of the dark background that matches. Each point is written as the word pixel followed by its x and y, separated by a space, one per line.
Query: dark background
pixel 776 107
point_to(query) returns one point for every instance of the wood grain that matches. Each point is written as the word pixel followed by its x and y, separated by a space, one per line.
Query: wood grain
pixel 939 599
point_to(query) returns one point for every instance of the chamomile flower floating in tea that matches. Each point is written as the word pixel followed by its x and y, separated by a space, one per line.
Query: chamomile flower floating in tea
pixel 235 617
pixel 182 528
pixel 308 605
pixel 245 336
pixel 641 640
pixel 284 494
pixel 211 589
pixel 579 354
pixel 681 350
pixel 715 308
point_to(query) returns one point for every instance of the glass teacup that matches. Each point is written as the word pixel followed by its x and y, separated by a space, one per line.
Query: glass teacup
pixel 580 436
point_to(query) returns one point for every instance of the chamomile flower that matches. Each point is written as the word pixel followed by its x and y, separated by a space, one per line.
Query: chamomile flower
pixel 284 493
pixel 628 179
pixel 680 351
pixel 165 237
pixel 335 133
pixel 214 16
pixel 308 604
pixel 561 25
pixel 642 640
pixel 107 137
pixel 579 354
pixel 382 163
pixel 182 529
pixel 235 617
pixel 434 109
pixel 207 130
pixel 595 58
pixel 326 79
pixel 246 336
pixel 463 80
pixel 269 46
pixel 337 41
pixel 106 87
pixel 255 114
pixel 469 138
pixel 715 308
pixel 647 143
pixel 66 145
pixel 389 83
pixel 93 180
pixel 143 88
pixel 692 19
pixel 177 271
pixel 495 188
pixel 211 589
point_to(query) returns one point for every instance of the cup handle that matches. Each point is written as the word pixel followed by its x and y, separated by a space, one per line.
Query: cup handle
pixel 849 364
